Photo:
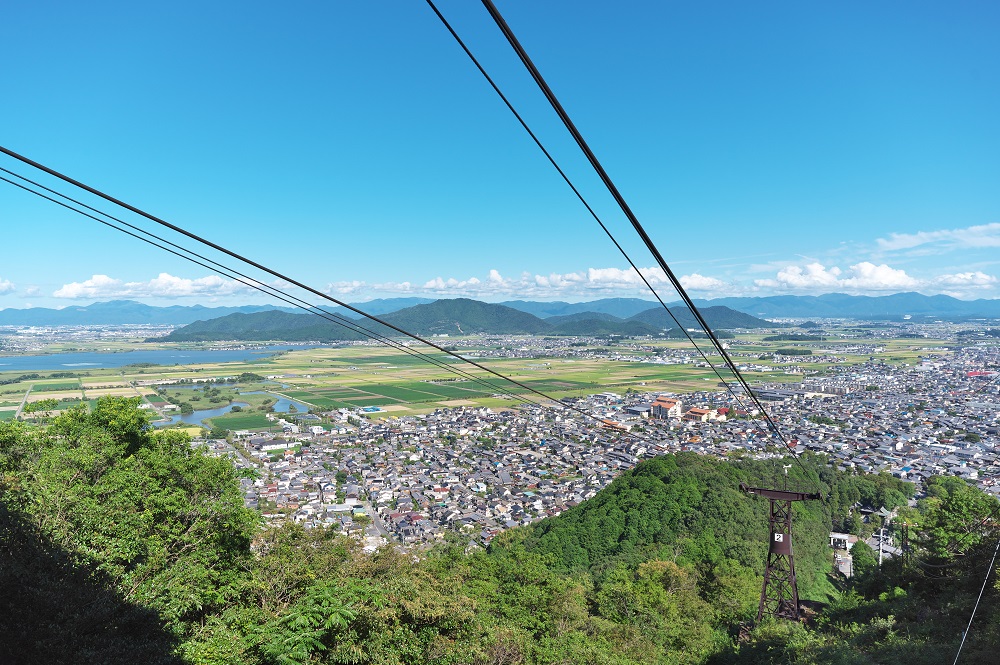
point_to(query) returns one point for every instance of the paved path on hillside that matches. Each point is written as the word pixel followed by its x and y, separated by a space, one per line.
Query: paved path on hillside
pixel 17 414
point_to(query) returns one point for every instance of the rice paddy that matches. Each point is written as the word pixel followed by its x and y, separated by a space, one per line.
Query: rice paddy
pixel 348 377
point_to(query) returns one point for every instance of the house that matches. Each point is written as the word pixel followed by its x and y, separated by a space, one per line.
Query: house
pixel 664 407
pixel 842 541
pixel 641 410
pixel 695 414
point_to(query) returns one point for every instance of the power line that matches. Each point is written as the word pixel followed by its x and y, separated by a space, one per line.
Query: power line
pixel 272 272
pixel 580 197
pixel 260 286
pixel 256 284
pixel 596 164
pixel 965 633
pixel 566 179
pixel 728 361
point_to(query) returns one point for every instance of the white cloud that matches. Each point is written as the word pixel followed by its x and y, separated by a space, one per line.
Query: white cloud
pixel 976 237
pixel 593 282
pixel 6 286
pixel 812 276
pixel 867 277
pixel 696 282
pixel 976 279
pixel 863 276
pixel 345 288
pixel 164 285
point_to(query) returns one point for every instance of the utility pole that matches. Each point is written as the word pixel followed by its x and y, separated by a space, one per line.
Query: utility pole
pixel 881 536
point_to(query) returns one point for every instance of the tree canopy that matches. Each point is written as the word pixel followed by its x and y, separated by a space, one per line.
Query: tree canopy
pixel 122 544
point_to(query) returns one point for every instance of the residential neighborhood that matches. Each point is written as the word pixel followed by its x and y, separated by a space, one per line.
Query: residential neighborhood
pixel 476 471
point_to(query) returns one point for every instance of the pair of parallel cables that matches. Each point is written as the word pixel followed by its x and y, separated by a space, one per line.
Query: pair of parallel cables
pixel 382 336
pixel 380 332
pixel 625 208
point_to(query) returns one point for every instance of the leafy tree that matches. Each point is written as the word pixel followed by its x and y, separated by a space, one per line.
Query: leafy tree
pixel 951 516
pixel 864 558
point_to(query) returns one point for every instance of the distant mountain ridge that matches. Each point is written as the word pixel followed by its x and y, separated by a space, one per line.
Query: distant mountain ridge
pixel 717 316
pixel 621 308
pixel 841 305
pixel 459 316
pixel 125 312
pixel 120 312
pixel 828 306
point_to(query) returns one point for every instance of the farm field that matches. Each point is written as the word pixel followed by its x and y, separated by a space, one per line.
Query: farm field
pixel 366 375
pixel 238 421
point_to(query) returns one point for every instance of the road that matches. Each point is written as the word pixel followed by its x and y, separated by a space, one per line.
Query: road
pixel 17 414
pixel 376 520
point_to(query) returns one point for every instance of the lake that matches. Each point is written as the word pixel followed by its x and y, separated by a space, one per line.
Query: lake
pixel 282 403
pixel 83 361
pixel 196 417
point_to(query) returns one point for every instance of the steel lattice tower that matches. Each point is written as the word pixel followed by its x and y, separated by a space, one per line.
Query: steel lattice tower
pixel 779 596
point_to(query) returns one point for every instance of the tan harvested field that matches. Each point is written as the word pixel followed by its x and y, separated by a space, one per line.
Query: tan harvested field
pixel 127 391
pixel 69 394
pixel 353 376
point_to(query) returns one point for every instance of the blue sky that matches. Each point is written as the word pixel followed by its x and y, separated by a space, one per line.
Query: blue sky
pixel 771 148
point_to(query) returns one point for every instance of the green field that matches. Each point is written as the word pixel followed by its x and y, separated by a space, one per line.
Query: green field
pixel 350 376
pixel 370 401
pixel 52 387
pixel 242 420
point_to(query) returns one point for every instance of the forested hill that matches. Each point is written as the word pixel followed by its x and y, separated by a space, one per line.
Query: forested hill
pixel 459 316
pixel 688 508
pixel 717 317
pixel 120 544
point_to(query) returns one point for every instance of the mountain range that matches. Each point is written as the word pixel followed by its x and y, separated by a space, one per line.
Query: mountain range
pixel 831 305
pixel 839 305
pixel 118 312
pixel 458 316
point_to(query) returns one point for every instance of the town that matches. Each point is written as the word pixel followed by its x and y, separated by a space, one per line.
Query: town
pixel 474 471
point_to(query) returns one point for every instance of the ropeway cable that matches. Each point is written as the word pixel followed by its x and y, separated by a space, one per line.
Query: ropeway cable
pixel 965 633
pixel 600 222
pixel 579 196
pixel 352 325
pixel 592 158
pixel 263 268
pixel 258 285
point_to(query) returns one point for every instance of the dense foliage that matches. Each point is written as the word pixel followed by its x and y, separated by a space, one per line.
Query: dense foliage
pixel 457 316
pixel 119 544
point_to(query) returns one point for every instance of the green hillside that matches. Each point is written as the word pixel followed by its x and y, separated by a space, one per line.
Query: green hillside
pixel 264 326
pixel 119 544
pixel 718 317
pixel 690 507
pixel 459 316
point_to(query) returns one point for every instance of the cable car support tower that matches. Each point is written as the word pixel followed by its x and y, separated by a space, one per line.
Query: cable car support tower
pixel 779 596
